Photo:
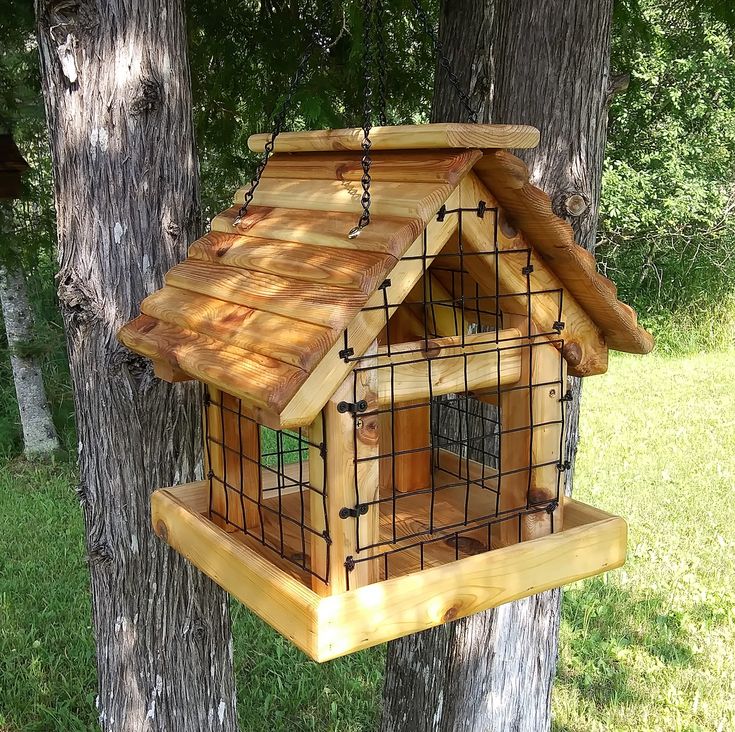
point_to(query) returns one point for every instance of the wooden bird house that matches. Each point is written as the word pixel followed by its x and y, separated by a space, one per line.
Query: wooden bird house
pixel 384 414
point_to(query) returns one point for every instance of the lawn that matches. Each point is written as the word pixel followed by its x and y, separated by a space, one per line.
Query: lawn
pixel 647 647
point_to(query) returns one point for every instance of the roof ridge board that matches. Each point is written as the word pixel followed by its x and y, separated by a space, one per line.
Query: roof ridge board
pixel 397 166
pixel 188 310
pixel 308 262
pixel 404 137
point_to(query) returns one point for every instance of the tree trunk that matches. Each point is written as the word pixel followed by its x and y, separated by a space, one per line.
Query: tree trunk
pixel 548 66
pixel 118 102
pixel 39 434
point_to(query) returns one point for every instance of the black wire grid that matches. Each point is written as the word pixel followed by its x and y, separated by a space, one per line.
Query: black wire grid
pixel 463 444
pixel 291 508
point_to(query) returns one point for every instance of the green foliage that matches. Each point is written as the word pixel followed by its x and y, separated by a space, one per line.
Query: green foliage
pixel 669 181
pixel 244 56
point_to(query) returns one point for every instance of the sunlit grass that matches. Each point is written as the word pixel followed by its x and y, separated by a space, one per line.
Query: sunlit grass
pixel 648 647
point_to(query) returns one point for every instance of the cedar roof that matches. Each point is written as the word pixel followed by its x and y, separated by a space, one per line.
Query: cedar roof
pixel 255 308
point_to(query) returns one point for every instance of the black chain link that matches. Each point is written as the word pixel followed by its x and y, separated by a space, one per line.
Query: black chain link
pixel 444 61
pixel 318 42
pixel 368 7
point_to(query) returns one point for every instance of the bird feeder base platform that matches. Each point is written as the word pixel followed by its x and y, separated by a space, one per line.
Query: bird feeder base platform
pixel 590 542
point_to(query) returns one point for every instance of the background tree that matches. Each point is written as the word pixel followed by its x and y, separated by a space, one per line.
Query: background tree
pixel 546 64
pixel 117 92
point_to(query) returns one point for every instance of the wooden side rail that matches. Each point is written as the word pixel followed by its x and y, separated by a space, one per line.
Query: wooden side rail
pixel 421 369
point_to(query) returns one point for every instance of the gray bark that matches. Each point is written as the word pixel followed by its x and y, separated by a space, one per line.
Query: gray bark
pixel 118 101
pixel 548 66
pixel 39 434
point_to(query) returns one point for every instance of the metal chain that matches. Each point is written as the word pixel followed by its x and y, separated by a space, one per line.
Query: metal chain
pixel 366 162
pixel 444 61
pixel 318 42
pixel 378 31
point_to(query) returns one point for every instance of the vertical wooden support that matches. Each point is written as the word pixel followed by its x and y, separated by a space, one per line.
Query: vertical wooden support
pixel 549 370
pixel 353 447
pixel 409 427
pixel 232 453
pixel 319 549
pixel 527 441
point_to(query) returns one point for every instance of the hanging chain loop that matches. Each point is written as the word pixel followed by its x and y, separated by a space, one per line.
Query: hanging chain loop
pixel 368 7
pixel 444 61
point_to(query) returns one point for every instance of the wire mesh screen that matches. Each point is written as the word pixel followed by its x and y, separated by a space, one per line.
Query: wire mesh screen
pixel 470 404
pixel 269 485
pixel 460 408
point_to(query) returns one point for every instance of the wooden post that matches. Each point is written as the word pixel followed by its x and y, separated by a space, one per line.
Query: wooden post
pixel 349 438
pixel 318 509
pixel 407 428
pixel 232 453
pixel 523 446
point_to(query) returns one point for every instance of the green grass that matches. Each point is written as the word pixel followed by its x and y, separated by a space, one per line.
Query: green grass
pixel 648 647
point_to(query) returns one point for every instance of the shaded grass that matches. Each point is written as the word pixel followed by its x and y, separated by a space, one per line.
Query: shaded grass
pixel 648 647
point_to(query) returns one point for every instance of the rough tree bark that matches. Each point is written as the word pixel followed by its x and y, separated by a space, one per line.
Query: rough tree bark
pixel 39 434
pixel 547 64
pixel 118 101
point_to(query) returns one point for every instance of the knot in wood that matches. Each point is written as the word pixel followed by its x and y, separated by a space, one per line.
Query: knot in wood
pixel 161 530
pixel 466 545
pixel 450 614
pixel 148 98
pixel 572 353
pixel 571 203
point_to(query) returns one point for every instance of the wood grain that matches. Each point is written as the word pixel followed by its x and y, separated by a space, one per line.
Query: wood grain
pixel 277 597
pixel 386 234
pixel 331 371
pixel 403 137
pixel 291 341
pixel 529 209
pixel 404 200
pixel 583 343
pixel 371 615
pixel 591 542
pixel 352 468
pixel 328 306
pixel 433 166
pixel 350 268
pixel 258 380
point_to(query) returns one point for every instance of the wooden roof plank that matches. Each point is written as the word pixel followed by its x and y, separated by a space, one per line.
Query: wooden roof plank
pixel 407 200
pixel 291 341
pixel 412 166
pixel 403 137
pixel 327 265
pixel 314 303
pixel 529 209
pixel 262 381
pixel 386 234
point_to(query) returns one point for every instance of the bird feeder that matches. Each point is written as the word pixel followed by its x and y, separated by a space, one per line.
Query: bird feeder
pixel 385 414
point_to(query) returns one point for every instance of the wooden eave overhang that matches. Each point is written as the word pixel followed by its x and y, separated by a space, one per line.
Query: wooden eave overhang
pixel 258 309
